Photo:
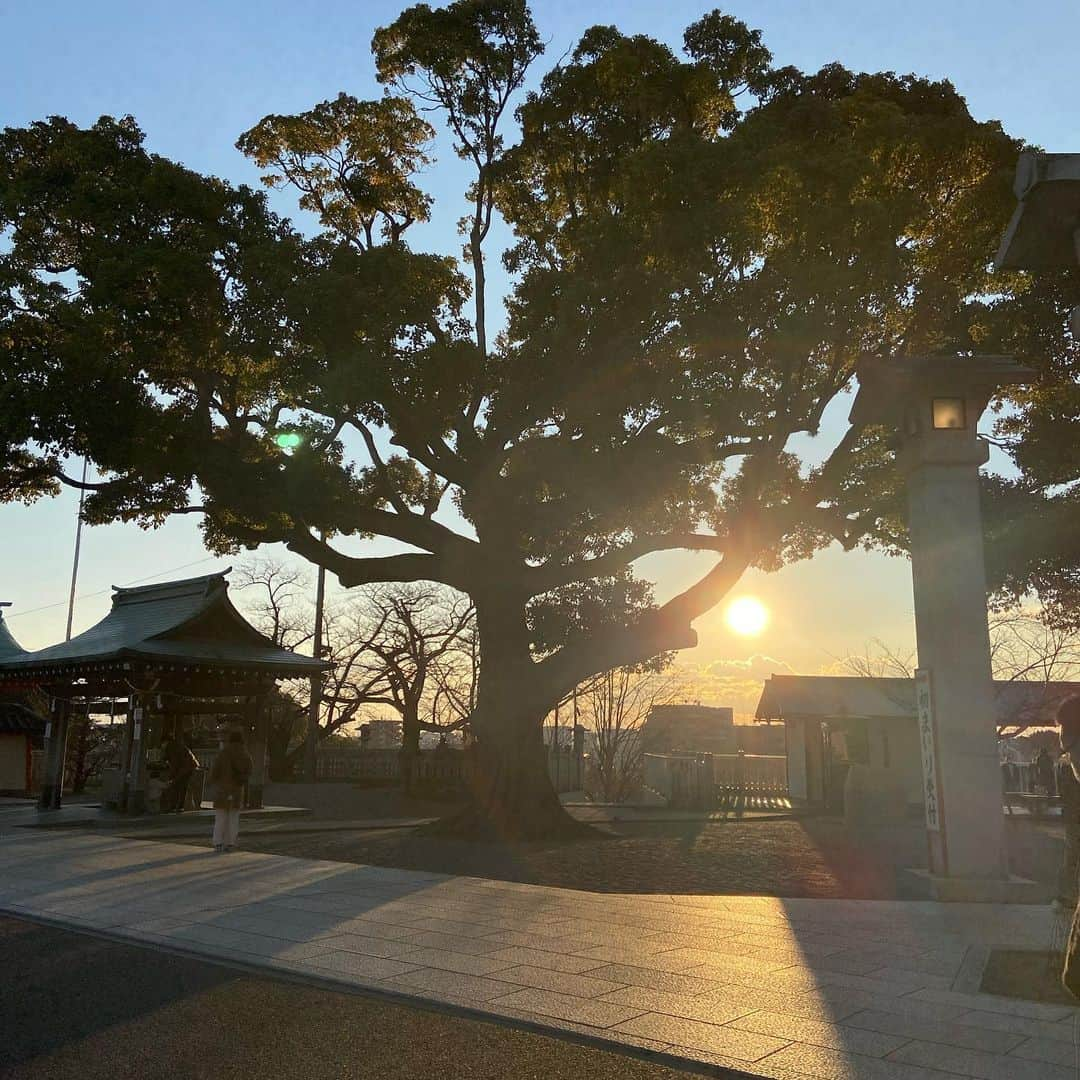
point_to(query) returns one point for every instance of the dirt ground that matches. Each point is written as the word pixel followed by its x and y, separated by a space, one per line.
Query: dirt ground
pixel 808 857
pixel 345 801
pixel 814 857
pixel 75 1007
pixel 1035 976
pixel 782 858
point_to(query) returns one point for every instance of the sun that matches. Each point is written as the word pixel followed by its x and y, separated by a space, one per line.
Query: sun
pixel 747 616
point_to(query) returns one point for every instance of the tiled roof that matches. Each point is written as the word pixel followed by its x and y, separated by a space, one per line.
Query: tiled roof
pixel 838 696
pixel 9 647
pixel 17 718
pixel 190 622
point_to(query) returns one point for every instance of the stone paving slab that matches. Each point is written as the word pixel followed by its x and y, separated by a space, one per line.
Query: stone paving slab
pixel 772 987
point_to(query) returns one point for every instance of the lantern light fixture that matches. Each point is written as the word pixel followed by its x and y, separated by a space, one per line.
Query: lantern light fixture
pixel 949 414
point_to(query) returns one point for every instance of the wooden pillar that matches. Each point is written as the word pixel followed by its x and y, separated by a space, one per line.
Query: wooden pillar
pixel 56 730
pixel 136 793
pixel 261 720
pixel 125 753
pixel 816 772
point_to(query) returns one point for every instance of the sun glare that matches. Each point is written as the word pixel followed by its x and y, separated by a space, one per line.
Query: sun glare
pixel 747 616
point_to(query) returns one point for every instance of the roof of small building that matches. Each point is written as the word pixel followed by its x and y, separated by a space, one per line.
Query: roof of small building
pixel 18 718
pixel 682 712
pixel 9 647
pixel 190 622
pixel 16 715
pixel 787 697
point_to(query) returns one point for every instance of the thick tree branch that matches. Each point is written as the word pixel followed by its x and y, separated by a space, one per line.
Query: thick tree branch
pixel 352 571
pixel 552 575
pixel 664 630
pixel 389 490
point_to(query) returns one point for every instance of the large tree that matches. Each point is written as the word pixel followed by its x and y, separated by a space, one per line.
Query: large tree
pixel 704 247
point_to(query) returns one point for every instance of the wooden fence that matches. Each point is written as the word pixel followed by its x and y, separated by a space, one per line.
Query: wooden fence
pixel 439 769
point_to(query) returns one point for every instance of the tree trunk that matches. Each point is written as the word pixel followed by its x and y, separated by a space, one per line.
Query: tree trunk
pixel 510 791
pixel 510 794
pixel 410 747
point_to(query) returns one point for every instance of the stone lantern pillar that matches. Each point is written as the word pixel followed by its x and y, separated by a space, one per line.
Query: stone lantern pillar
pixel 933 404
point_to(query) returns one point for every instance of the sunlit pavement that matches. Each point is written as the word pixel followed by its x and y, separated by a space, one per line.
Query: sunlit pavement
pixel 778 988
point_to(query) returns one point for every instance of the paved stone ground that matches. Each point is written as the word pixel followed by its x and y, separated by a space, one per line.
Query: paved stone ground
pixel 842 990
pixel 75 1007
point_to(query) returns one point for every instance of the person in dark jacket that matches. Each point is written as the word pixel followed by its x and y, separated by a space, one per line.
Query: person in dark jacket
pixel 1069 788
pixel 1044 769
pixel 182 764
pixel 1068 719
pixel 229 774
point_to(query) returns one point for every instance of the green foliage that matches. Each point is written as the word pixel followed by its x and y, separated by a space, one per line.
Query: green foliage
pixel 351 161
pixel 1031 547
pixel 168 321
pixel 704 247
pixel 467 58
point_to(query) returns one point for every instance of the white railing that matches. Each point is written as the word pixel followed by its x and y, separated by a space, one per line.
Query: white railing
pixel 751 773
pixel 705 781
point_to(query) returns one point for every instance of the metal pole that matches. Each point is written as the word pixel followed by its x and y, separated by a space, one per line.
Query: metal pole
pixel 553 748
pixel 75 561
pixel 316 679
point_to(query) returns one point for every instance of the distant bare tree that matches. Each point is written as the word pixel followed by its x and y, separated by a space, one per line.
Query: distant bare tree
pixel 421 647
pixel 411 649
pixel 454 679
pixel 1028 643
pixel 1032 644
pixel 275 600
pixel 877 661
pixel 613 707
pixel 279 608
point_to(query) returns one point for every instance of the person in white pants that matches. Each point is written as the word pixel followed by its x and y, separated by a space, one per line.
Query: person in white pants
pixel 229 774
pixel 226 829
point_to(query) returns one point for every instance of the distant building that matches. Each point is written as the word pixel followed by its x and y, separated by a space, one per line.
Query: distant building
pixel 835 721
pixel 761 738
pixel 21 728
pixel 698 728
pixel 381 734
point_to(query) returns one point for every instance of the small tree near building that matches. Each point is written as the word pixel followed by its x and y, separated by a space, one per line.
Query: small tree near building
pixel 613 709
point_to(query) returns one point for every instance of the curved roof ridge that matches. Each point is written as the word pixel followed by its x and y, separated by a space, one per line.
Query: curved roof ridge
pixel 9 647
pixel 195 586
pixel 164 623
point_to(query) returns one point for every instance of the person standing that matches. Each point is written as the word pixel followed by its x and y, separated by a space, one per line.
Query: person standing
pixel 1069 787
pixel 182 765
pixel 1044 769
pixel 1068 720
pixel 1009 757
pixel 229 774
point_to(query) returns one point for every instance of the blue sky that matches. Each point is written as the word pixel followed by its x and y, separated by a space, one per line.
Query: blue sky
pixel 197 74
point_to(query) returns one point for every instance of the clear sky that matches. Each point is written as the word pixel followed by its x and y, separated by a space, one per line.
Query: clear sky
pixel 196 74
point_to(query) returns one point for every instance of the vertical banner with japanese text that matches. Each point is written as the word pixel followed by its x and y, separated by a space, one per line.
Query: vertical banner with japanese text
pixel 932 795
pixel 924 711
